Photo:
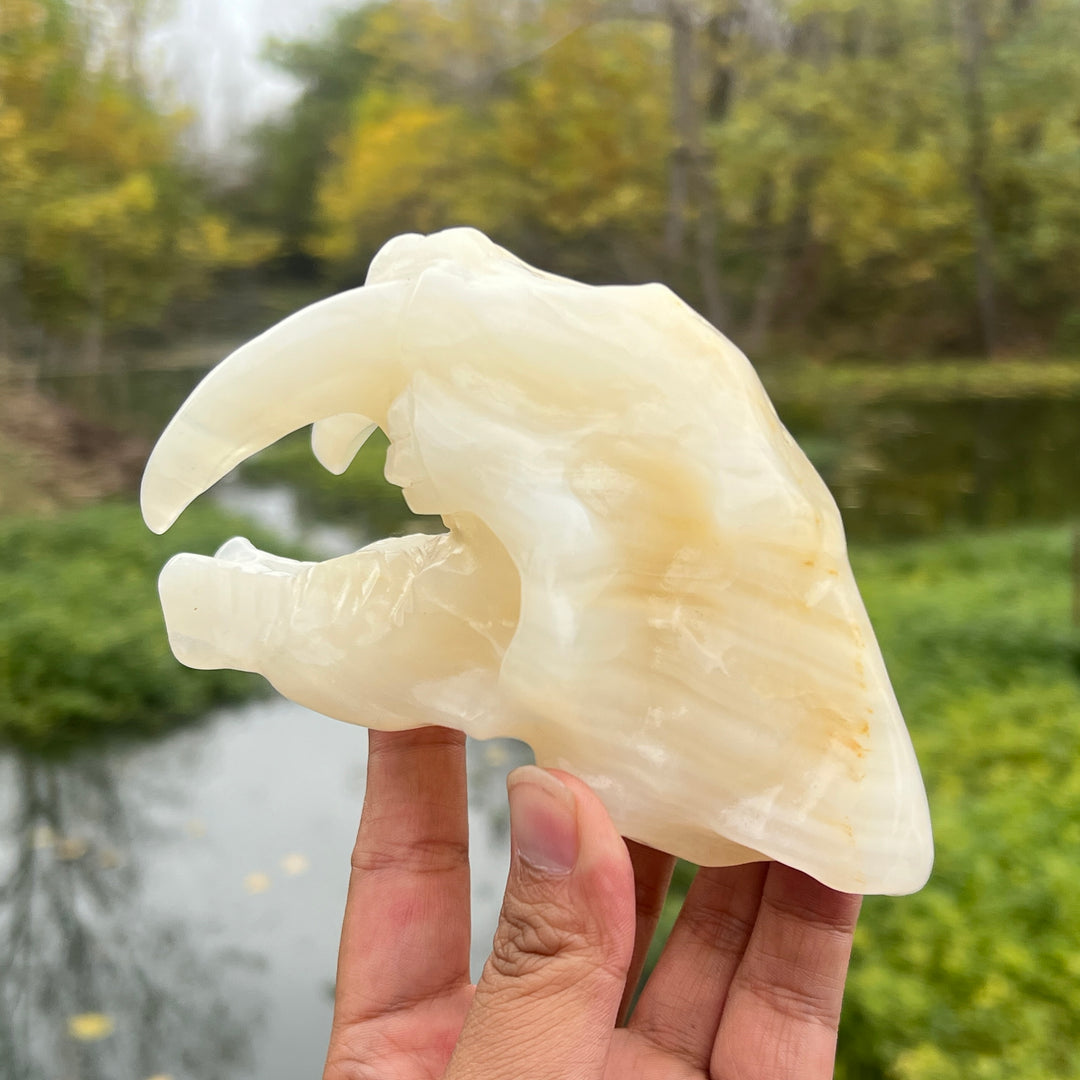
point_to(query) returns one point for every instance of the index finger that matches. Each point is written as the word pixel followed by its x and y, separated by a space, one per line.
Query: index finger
pixel 405 937
pixel 783 1007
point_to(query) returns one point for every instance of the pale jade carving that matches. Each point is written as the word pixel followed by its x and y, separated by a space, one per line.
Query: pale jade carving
pixel 643 577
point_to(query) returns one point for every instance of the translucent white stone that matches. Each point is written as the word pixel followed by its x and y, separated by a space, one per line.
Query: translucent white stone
pixel 643 576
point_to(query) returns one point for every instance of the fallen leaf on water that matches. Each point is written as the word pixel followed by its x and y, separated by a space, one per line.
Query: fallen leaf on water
pixel 496 755
pixel 89 1027
pixel 70 848
pixel 43 837
pixel 195 828
pixel 295 864
pixel 256 883
pixel 110 859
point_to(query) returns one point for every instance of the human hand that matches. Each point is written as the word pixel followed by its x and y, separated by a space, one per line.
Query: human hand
pixel 749 985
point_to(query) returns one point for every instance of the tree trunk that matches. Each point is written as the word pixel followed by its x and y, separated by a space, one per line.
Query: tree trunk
pixel 691 197
pixel 94 333
pixel 973 53
pixel 792 240
pixel 715 310
pixel 684 131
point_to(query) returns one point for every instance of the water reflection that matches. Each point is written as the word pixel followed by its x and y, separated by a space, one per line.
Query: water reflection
pixel 914 468
pixel 97 984
pixel 173 910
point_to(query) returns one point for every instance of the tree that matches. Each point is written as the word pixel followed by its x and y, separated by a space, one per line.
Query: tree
pixel 557 152
pixel 293 151
pixel 826 175
pixel 101 222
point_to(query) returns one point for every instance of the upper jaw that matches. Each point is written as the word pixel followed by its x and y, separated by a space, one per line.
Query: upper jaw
pixel 337 364
pixel 338 356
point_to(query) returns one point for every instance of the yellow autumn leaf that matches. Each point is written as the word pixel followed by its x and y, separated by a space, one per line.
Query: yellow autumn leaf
pixel 256 883
pixel 91 1026
pixel 110 859
pixel 496 755
pixel 43 837
pixel 295 864
pixel 71 848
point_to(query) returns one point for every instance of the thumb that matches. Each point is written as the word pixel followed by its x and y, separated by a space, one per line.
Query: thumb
pixel 546 1004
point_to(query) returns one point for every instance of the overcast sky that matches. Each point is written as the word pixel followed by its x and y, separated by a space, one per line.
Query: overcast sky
pixel 208 56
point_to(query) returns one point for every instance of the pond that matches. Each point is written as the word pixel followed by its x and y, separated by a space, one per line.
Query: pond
pixel 176 907
pixel 172 910
pixel 916 467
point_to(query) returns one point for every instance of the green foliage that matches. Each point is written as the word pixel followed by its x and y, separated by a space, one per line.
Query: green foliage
pixel 834 180
pixel 83 649
pixel 293 150
pixel 808 384
pixel 979 974
pixel 454 120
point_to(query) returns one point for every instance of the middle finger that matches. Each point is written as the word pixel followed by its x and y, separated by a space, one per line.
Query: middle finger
pixel 679 1010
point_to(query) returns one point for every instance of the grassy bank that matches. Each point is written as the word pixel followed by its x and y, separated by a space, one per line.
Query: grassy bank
pixel 809 383
pixel 51 456
pixel 83 650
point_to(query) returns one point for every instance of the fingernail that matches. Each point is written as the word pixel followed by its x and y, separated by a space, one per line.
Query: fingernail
pixel 543 820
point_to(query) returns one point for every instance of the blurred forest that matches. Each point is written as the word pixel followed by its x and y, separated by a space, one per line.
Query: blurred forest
pixel 102 222
pixel 879 200
pixel 818 177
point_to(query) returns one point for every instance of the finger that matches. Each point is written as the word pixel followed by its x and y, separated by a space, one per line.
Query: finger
pixel 405 937
pixel 680 1007
pixel 783 1008
pixel 652 876
pixel 546 1003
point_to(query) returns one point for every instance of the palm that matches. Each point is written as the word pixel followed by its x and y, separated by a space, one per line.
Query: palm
pixel 749 984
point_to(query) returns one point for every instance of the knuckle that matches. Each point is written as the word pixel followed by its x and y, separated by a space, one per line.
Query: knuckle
pixel 430 855
pixel 529 936
pixel 820 911
pixel 808 1002
pixel 718 931
pixel 341 1064
pixel 546 947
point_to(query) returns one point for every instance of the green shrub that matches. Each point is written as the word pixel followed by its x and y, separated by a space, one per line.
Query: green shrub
pixel 83 650
pixel 978 976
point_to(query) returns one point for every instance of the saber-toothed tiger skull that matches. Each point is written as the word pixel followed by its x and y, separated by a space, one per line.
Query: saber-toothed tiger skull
pixel 643 577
